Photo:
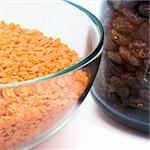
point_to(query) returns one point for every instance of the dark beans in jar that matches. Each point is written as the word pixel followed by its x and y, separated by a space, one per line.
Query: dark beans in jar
pixel 126 59
pixel 122 25
pixel 120 39
pixel 138 48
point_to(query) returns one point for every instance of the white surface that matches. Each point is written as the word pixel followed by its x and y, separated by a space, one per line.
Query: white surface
pixel 91 129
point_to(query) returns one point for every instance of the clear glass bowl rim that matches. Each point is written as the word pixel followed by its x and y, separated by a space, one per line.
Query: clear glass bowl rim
pixel 96 52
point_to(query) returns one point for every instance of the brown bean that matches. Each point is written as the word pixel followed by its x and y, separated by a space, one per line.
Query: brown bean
pixel 142 33
pixel 130 80
pixel 111 69
pixel 120 24
pixel 138 48
pixel 119 86
pixel 113 96
pixel 125 53
pixel 144 94
pixel 130 68
pixel 120 39
pixel 144 9
pixel 136 102
pixel 109 19
pixel 115 57
pixel 131 16
pixel 109 43
pixel 141 78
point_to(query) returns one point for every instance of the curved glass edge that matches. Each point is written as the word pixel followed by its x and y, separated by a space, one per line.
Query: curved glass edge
pixel 111 110
pixel 79 65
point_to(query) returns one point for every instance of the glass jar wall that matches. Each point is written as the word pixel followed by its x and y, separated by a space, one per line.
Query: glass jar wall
pixel 122 82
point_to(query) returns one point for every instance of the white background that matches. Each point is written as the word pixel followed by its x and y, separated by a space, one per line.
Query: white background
pixel 91 128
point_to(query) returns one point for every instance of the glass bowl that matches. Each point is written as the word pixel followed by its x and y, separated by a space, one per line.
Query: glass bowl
pixel 33 110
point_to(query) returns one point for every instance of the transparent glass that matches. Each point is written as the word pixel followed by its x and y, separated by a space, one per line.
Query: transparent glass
pixel 33 110
pixel 122 82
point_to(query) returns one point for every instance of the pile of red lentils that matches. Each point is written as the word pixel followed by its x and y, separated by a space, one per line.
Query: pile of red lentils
pixel 27 111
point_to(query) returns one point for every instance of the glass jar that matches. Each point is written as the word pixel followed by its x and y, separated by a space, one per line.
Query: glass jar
pixel 122 82
pixel 33 110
